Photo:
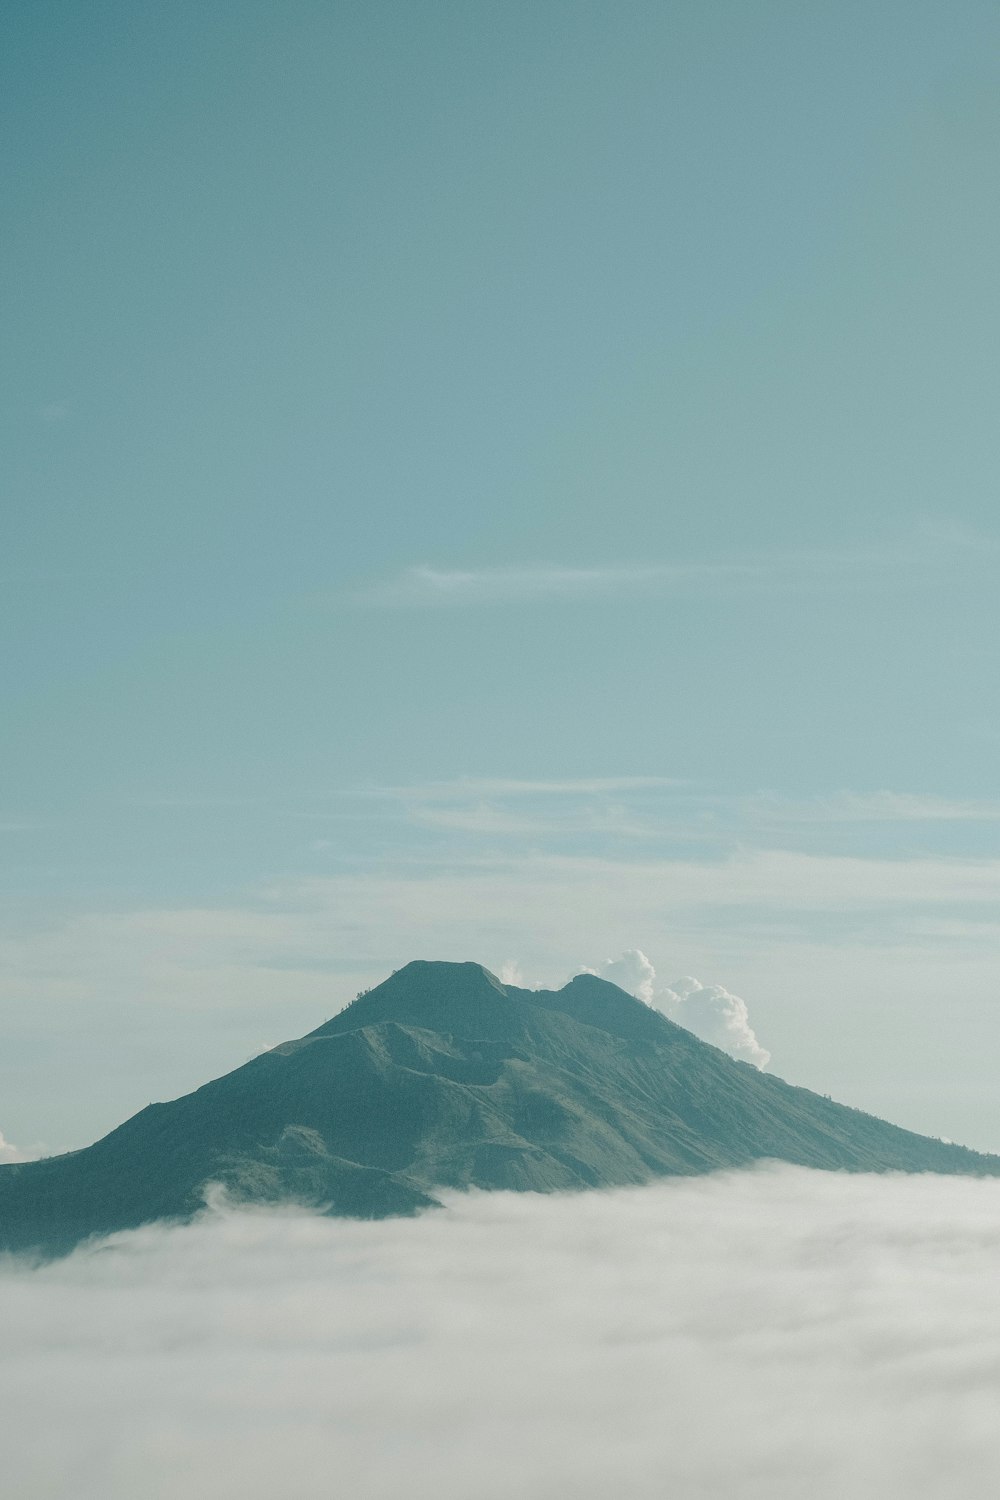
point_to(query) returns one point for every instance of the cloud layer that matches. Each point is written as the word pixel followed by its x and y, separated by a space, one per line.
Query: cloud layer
pixel 754 1336
pixel 709 1010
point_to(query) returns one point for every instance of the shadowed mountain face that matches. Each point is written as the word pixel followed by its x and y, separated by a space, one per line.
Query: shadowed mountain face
pixel 444 1077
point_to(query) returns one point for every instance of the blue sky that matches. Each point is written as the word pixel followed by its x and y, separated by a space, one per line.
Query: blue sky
pixel 501 481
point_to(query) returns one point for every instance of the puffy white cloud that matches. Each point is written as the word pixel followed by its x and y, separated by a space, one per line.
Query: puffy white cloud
pixel 760 1335
pixel 710 1011
pixel 632 971
pixel 715 1015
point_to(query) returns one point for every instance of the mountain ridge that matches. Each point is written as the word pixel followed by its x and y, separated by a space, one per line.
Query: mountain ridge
pixel 444 1077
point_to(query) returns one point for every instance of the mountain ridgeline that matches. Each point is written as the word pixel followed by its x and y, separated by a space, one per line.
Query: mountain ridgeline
pixel 442 1077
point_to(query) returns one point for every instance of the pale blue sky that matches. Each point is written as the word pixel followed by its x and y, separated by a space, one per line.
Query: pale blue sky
pixel 404 403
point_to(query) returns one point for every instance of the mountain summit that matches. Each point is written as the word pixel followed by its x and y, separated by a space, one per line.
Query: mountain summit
pixel 442 1077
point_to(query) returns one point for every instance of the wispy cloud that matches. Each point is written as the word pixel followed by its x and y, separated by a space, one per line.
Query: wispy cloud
pixel 296 937
pixel 743 885
pixel 510 807
pixel 874 807
pixel 928 552
pixel 463 788
pixel 425 585
pixel 661 807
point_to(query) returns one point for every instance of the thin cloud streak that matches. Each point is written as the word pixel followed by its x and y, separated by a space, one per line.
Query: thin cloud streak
pixel 498 807
pixel 765 1334
pixel 926 554
pixel 875 807
pixel 648 807
pixel 466 787
pixel 425 586
pixel 422 585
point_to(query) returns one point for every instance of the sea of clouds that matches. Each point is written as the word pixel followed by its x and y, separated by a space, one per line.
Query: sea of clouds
pixel 758 1335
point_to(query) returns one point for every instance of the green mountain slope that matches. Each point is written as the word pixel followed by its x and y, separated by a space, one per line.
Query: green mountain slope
pixel 444 1077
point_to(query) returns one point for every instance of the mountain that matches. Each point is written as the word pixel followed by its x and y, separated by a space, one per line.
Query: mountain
pixel 442 1077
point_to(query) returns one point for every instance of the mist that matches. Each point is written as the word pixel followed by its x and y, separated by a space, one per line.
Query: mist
pixel 769 1333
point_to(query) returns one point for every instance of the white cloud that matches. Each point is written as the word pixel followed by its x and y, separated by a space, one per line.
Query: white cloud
pixel 762 1335
pixel 709 1011
pixel 632 972
pixel 715 1015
